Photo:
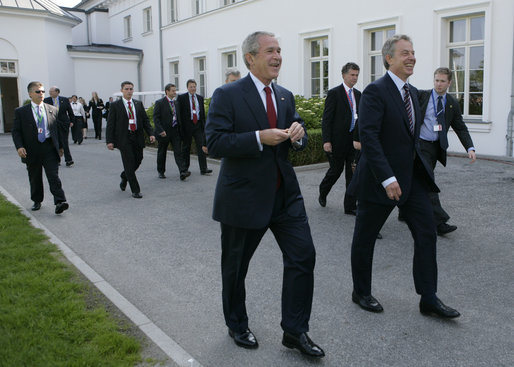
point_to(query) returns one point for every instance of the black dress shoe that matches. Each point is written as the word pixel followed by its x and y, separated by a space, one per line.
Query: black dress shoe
pixel 379 236
pixel 303 343
pixel 161 175
pixel 123 185
pixel 137 195
pixel 60 207
pixel 36 206
pixel 246 339
pixel 445 228
pixel 183 176
pixel 70 163
pixel 438 308
pixel 322 201
pixel 206 172
pixel 351 212
pixel 368 303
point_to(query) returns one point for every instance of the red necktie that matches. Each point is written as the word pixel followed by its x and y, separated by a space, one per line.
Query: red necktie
pixel 270 109
pixel 272 119
pixel 195 117
pixel 131 116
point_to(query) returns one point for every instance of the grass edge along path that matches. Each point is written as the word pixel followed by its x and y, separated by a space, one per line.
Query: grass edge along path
pixel 48 316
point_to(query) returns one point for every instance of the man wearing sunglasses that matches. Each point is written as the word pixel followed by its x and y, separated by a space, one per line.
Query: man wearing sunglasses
pixel 39 145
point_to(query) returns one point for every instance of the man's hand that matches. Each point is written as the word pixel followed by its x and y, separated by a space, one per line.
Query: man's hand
pixel 163 134
pixel 205 150
pixel 327 147
pixel 22 152
pixel 393 191
pixel 61 152
pixel 152 139
pixel 295 131
pixel 472 156
pixel 71 124
pixel 110 146
pixel 273 136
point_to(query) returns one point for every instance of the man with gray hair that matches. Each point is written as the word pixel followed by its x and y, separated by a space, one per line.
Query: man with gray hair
pixel 393 172
pixel 252 126
pixel 232 75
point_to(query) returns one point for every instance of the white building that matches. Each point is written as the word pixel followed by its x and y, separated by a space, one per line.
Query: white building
pixel 153 42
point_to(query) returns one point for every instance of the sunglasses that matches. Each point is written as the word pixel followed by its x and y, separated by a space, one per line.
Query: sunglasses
pixel 39 91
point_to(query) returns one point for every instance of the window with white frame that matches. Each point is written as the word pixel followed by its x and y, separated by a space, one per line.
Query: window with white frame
pixel 198 7
pixel 147 20
pixel 376 40
pixel 318 63
pixel 8 68
pixel 174 74
pixel 228 2
pixel 127 26
pixel 172 11
pixel 201 75
pixel 229 61
pixel 465 49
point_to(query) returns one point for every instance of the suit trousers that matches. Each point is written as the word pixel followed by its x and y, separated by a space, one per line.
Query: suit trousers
pixel 337 165
pixel 172 137
pixel 430 151
pixel 294 239
pixel 418 215
pixel 64 132
pixel 131 156
pixel 48 159
pixel 97 123
pixel 197 133
pixel 76 130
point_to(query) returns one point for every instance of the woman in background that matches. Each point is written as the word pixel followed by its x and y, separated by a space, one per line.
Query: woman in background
pixel 86 110
pixel 96 105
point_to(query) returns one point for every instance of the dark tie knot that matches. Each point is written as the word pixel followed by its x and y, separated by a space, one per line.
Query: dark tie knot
pixel 439 98
pixel 406 87
pixel 267 90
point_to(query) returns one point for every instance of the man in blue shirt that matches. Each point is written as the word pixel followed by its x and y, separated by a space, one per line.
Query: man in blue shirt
pixel 440 111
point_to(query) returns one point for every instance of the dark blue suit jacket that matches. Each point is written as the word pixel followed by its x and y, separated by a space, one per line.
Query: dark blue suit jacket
pixel 24 131
pixel 246 187
pixel 388 148
pixel 65 115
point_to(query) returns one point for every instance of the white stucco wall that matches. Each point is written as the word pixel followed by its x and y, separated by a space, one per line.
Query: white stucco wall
pixel 346 27
pixel 99 27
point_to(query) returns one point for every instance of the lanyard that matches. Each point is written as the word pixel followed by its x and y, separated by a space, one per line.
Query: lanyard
pixel 435 108
pixel 350 100
pixel 39 116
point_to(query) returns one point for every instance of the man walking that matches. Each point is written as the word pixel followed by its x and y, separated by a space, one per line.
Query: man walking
pixel 38 142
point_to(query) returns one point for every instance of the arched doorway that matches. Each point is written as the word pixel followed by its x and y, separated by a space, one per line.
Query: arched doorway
pixel 9 96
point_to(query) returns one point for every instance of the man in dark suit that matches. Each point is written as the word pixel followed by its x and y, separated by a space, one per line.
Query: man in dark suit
pixel 392 172
pixel 166 118
pixel 192 124
pixel 126 124
pixel 252 126
pixel 37 140
pixel 65 119
pixel 339 118
pixel 440 111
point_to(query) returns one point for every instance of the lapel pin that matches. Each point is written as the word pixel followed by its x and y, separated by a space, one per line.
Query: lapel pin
pixel 282 98
pixel 451 106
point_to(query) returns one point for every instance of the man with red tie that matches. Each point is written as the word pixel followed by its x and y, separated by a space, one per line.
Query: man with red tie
pixel 252 126
pixel 192 125
pixel 126 124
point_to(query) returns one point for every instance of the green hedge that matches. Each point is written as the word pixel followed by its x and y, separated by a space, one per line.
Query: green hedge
pixel 310 110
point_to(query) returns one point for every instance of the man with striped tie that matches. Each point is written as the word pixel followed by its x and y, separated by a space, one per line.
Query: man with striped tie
pixel 392 172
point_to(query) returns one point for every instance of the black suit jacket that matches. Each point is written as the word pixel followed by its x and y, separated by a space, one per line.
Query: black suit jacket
pixel 186 124
pixel 24 130
pixel 388 147
pixel 452 117
pixel 337 119
pixel 65 115
pixel 117 130
pixel 93 107
pixel 162 116
pixel 246 187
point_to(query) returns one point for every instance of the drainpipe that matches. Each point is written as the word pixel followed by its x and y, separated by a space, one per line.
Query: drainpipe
pixel 510 120
pixel 160 46
pixel 139 78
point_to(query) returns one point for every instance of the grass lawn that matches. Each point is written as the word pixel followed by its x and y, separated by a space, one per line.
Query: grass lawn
pixel 49 316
